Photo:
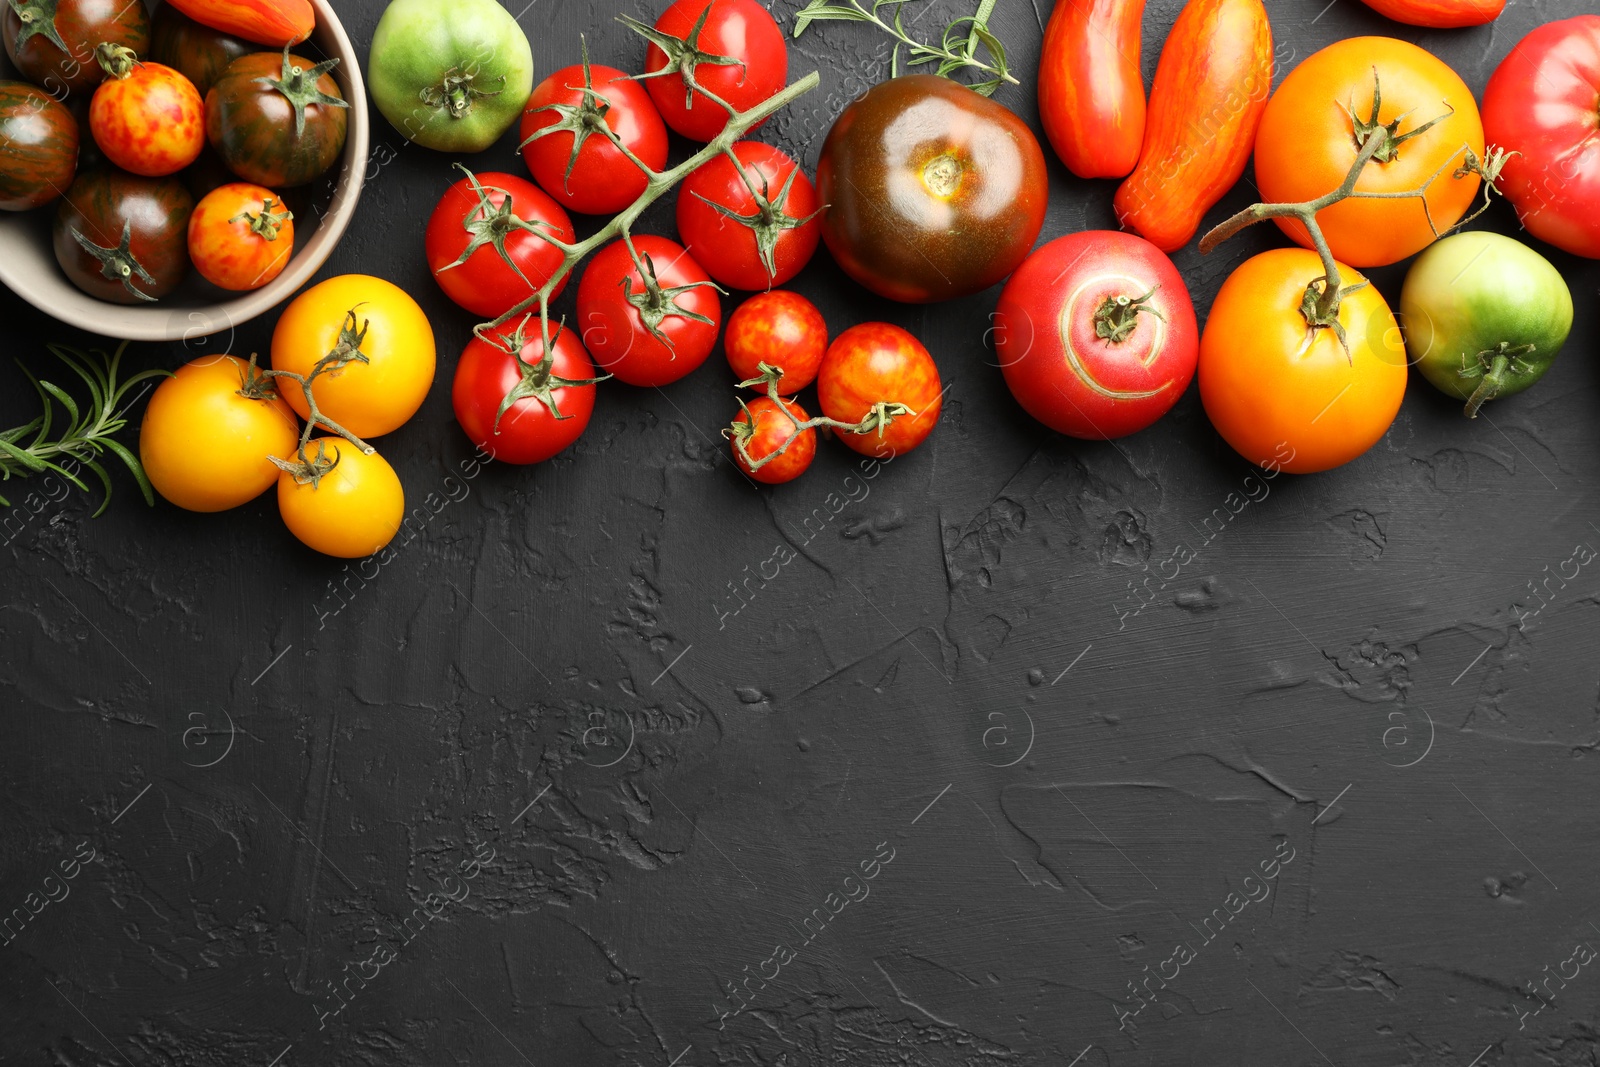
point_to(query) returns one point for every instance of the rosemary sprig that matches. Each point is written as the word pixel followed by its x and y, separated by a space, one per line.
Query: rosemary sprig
pixel 87 435
pixel 958 46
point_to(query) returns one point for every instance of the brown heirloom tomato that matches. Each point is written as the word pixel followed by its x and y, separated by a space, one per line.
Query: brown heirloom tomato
pixel 52 42
pixel 934 192
pixel 276 119
pixel 124 238
pixel 196 51
pixel 41 153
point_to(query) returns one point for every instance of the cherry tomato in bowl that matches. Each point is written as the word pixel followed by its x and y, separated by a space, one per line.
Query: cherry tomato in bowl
pixel 1096 335
pixel 761 429
pixel 146 117
pixel 651 327
pixel 876 364
pixel 736 51
pixel 483 242
pixel 552 412
pixel 781 329
pixel 567 154
pixel 752 225
pixel 240 236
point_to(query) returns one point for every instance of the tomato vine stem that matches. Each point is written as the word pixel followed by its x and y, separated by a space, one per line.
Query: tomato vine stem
pixel 740 431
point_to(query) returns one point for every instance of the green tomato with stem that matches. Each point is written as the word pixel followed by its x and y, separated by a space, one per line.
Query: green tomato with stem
pixel 451 75
pixel 1485 316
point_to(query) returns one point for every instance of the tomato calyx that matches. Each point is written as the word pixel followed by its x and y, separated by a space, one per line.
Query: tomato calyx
pixel 298 85
pixel 584 119
pixel 268 223
pixel 769 220
pixel 683 56
pixel 1390 138
pixel 38 18
pixel 456 93
pixel 653 303
pixel 766 379
pixel 1493 364
pixel 116 60
pixel 491 225
pixel 877 419
pixel 538 380
pixel 118 264
pixel 254 383
pixel 1118 316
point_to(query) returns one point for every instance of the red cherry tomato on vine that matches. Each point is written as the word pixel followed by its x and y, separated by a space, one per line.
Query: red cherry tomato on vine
pixel 599 180
pixel 738 30
pixel 529 431
pixel 771 428
pixel 875 363
pixel 781 233
pixel 147 118
pixel 485 284
pixel 643 330
pixel 1095 334
pixel 781 329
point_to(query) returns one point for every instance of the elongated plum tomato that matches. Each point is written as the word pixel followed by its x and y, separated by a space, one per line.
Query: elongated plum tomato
pixel 353 511
pixel 1282 398
pixel 41 154
pixel 269 22
pixel 933 191
pixel 774 233
pixel 539 424
pixel 738 53
pixel 1540 105
pixel 204 446
pixel 345 313
pixel 1309 139
pixel 594 177
pixel 880 363
pixel 1095 334
pixel 495 226
pixel 240 236
pixel 643 331
pixel 781 329
pixel 147 118
pixel 769 429
pixel 1091 94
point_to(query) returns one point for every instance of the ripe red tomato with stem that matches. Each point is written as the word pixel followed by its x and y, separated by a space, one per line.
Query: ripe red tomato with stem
pixel 483 242
pixel 516 405
pixel 1096 335
pixel 565 145
pixel 750 218
pixel 770 441
pixel 732 49
pixel 880 378
pixel 240 236
pixel 781 329
pixel 648 326
pixel 146 117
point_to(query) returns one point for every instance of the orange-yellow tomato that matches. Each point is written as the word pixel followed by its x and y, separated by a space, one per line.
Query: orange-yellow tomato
pixel 147 118
pixel 370 398
pixel 1288 397
pixel 1307 144
pixel 355 509
pixel 204 446
pixel 241 236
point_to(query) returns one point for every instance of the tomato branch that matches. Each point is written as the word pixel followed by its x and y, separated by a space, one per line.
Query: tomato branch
pixel 740 431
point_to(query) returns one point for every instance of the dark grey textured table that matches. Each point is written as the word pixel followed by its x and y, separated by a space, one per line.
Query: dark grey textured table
pixel 534 793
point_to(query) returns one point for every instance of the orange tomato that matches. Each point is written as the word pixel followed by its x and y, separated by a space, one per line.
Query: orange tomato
pixel 1307 144
pixel 1288 397
pixel 204 446
pixel 355 509
pixel 370 398
pixel 241 236
pixel 147 118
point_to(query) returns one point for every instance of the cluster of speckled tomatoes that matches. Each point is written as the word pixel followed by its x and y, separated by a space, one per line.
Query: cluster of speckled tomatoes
pixel 195 132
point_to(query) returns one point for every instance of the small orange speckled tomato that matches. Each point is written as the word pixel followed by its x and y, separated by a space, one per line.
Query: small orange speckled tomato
pixel 353 511
pixel 763 428
pixel 204 445
pixel 869 367
pixel 357 312
pixel 781 329
pixel 241 236
pixel 147 118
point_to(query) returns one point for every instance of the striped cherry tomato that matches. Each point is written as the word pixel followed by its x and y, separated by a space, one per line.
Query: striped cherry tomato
pixel 240 236
pixel 146 117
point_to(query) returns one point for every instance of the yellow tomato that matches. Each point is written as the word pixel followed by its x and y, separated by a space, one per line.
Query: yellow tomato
pixel 353 511
pixel 204 446
pixel 370 398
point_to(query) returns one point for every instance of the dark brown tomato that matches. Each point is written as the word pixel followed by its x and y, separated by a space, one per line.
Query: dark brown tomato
pixel 124 238
pixel 196 51
pixel 935 192
pixel 40 153
pixel 253 119
pixel 52 42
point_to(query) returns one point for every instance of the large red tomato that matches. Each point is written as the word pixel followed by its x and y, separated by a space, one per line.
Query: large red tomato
pixel 530 430
pixel 489 229
pixel 733 48
pixel 567 155
pixel 1540 105
pixel 750 231
pixel 648 330
pixel 875 364
pixel 1096 335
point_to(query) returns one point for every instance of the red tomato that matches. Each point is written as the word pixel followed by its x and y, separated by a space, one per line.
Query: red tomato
pixel 530 431
pixel 781 329
pixel 573 162
pixel 1091 94
pixel 1540 106
pixel 769 430
pixel 648 331
pixel 147 118
pixel 745 239
pixel 498 220
pixel 733 48
pixel 1095 334
pixel 875 363
pixel 241 236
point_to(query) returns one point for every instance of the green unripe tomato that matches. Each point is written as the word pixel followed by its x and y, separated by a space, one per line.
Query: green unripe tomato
pixel 451 75
pixel 1484 316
